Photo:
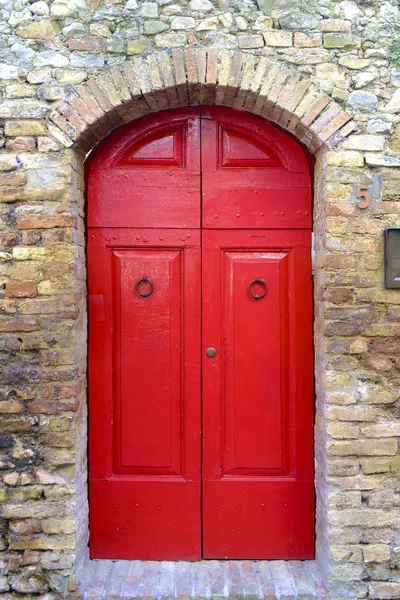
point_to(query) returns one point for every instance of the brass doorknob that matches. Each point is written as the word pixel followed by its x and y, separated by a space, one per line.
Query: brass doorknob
pixel 211 352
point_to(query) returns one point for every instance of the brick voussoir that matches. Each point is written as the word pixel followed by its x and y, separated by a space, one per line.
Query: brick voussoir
pixel 108 88
pixel 234 77
pixel 63 124
pixel 60 136
pixel 120 84
pixel 316 109
pixel 76 120
pixel 193 76
pixel 178 60
pixel 87 97
pixel 330 112
pixel 341 119
pixel 248 75
pixel 223 67
pixel 82 109
pixel 167 74
pixel 341 134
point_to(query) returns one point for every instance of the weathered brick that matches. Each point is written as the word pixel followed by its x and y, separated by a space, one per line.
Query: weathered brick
pixel 44 221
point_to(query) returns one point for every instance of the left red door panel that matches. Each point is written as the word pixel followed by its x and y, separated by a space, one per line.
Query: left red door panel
pixel 144 410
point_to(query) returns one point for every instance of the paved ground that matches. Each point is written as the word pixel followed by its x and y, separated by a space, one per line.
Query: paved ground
pixel 212 579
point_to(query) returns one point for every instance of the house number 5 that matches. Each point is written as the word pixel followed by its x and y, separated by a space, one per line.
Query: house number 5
pixel 362 192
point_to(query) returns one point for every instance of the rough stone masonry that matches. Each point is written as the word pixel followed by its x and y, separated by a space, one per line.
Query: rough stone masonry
pixel 73 70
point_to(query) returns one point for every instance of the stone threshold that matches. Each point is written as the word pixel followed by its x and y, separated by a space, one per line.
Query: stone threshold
pixel 207 579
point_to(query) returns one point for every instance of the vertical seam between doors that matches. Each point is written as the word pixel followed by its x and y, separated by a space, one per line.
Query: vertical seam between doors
pixel 201 338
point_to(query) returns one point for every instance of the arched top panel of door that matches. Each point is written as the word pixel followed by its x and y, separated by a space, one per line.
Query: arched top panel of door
pixel 159 170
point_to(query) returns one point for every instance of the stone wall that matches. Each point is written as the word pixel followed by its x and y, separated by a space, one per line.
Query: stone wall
pixel 69 74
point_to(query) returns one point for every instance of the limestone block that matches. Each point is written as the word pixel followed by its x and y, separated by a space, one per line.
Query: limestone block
pixel 241 23
pixel 353 62
pixel 201 6
pixel 350 158
pixel 139 46
pixel 73 29
pixel 182 23
pixel 362 447
pixel 38 509
pixel 382 160
pixel 368 143
pixel 338 40
pixel 262 23
pixel 394 105
pixel 380 465
pixel 364 78
pixel 152 27
pixel 60 9
pixel 365 102
pixel 50 58
pixel 8 71
pixel 277 38
pixel 384 590
pixel 172 9
pixel 335 26
pixel 208 24
pixel 170 40
pixel 29 253
pixel 363 518
pixel 250 41
pixel 343 430
pixel 20 90
pixel 39 8
pixel 351 413
pixel 226 20
pixel 90 61
pixel 70 76
pixel 277 7
pixel 9 163
pixel 149 10
pixel 347 9
pixel 307 40
pixel 299 21
pixel 40 30
pixel 28 583
pixel 40 76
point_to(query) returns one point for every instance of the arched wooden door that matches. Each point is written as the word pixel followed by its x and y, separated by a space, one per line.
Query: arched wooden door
pixel 200 340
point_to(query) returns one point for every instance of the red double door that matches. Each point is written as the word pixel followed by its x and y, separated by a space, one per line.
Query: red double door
pixel 200 340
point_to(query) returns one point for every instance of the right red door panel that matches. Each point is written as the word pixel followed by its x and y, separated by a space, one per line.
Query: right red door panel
pixel 258 493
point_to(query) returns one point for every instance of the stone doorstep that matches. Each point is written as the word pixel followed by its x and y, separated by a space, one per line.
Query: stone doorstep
pixel 208 579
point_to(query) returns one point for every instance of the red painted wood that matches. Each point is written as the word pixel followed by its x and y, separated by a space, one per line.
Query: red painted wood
pixel 144 353
pixel 253 174
pixel 147 174
pixel 258 492
pixel 144 387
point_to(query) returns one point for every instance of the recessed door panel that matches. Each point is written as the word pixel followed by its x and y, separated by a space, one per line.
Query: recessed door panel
pixel 148 360
pixel 256 353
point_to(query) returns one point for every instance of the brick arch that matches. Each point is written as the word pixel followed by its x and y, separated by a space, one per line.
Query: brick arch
pixel 199 76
